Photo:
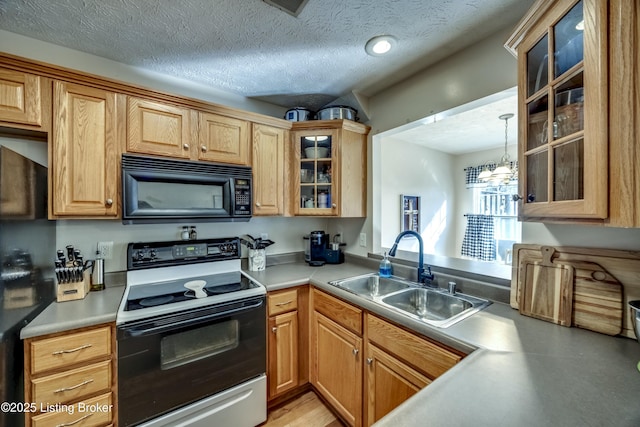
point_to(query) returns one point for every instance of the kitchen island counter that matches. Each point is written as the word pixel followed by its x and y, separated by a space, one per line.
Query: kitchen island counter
pixel 519 371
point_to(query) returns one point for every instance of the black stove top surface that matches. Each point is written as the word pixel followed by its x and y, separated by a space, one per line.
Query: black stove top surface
pixel 173 291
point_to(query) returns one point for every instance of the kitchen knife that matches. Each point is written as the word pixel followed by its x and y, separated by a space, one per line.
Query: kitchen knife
pixel 70 253
pixel 61 256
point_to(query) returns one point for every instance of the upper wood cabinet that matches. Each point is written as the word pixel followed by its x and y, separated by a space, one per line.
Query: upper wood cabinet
pixel 329 168
pixel 24 98
pixel 268 170
pixel 85 152
pixel 578 79
pixel 159 129
pixel 223 139
pixel 562 105
pixel 167 130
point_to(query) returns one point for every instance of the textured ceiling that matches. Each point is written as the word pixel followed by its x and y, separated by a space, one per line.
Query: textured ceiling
pixel 468 128
pixel 256 50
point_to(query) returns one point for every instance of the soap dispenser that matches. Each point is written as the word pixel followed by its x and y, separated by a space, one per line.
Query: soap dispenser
pixel 385 267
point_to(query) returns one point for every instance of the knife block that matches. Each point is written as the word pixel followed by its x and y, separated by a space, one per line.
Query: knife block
pixel 74 290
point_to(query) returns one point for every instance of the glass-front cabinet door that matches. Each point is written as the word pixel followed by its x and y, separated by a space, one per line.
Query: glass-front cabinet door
pixel 315 172
pixel 563 112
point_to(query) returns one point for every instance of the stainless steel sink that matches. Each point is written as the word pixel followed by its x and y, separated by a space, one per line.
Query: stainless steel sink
pixel 371 285
pixel 435 307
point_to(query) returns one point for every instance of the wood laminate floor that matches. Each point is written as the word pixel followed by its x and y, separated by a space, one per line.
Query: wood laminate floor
pixel 307 410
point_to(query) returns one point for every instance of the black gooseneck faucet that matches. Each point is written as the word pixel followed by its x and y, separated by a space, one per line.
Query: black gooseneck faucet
pixel 425 278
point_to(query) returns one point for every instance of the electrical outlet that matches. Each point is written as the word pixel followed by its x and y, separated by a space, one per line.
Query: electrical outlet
pixel 105 250
pixel 264 236
pixel 363 239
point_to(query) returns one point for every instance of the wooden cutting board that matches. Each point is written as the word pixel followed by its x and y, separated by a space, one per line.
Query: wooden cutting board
pixel 598 296
pixel 547 289
pixel 597 299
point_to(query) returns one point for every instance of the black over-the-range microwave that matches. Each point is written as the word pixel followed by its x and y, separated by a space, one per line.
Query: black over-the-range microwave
pixel 157 190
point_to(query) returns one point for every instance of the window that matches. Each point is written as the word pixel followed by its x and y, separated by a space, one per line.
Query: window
pixel 497 202
pixel 492 223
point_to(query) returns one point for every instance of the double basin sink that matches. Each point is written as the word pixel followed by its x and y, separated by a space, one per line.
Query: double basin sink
pixel 436 307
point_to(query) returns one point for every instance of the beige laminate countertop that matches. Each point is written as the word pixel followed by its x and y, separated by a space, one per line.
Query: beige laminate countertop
pixel 520 371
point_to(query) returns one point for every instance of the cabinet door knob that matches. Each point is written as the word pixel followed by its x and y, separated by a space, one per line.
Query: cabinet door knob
pixel 109 202
pixel 355 351
pixel 257 204
pixel 333 205
pixel 369 361
pixel 203 148
pixel 185 146
pixel 274 329
pixel 516 197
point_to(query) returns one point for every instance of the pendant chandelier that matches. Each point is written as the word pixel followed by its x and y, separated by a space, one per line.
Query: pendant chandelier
pixel 503 173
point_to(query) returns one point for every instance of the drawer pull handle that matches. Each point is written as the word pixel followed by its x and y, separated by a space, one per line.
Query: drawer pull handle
pixel 74 422
pixel 73 350
pixel 280 304
pixel 73 387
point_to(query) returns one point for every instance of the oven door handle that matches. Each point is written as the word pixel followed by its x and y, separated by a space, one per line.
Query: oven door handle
pixel 139 330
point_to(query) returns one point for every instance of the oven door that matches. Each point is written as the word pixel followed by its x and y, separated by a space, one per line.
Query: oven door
pixel 171 361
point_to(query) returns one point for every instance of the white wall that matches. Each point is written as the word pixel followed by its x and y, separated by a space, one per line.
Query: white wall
pixel 476 72
pixel 84 234
pixel 473 73
pixel 415 170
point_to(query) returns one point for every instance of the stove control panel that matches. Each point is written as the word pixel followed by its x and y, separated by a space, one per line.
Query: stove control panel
pixel 163 254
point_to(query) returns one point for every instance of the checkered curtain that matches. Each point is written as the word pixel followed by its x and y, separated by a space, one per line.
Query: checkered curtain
pixel 478 239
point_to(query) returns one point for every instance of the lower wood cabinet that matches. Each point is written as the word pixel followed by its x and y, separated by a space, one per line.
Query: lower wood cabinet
pixel 283 353
pixel 287 361
pixel 389 382
pixel 364 387
pixel 337 367
pixel 70 378
pixel 336 355
pixel 399 364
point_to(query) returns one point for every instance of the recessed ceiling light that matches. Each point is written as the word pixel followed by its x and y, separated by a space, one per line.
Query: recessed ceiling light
pixel 380 45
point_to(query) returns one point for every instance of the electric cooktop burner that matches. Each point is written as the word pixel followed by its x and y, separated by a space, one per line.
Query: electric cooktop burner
pixel 153 301
pixel 161 293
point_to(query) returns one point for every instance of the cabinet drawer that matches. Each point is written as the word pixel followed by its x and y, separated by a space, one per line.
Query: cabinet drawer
pixel 72 385
pixel 281 302
pixel 428 357
pixel 67 350
pixel 340 312
pixel 89 413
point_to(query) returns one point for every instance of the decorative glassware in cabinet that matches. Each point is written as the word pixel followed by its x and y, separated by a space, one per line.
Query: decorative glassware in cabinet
pixel 554 151
pixel 315 171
